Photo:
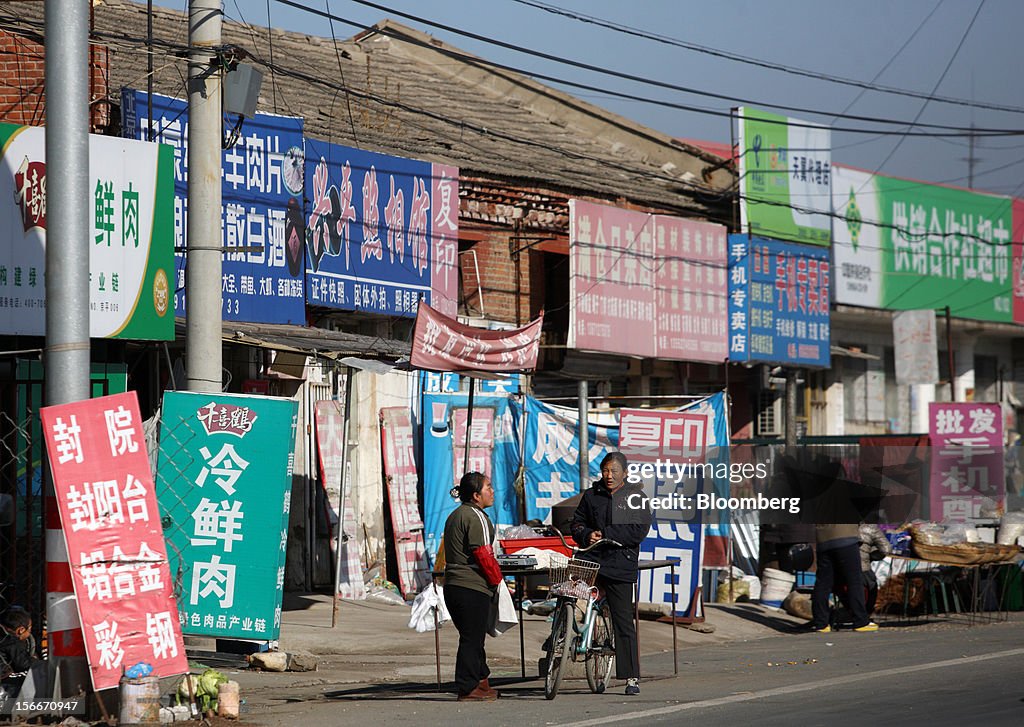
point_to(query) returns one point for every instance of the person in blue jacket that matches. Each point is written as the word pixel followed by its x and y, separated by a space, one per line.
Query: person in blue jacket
pixel 604 512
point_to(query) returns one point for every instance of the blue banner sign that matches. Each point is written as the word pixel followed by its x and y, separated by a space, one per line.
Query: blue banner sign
pixel 262 225
pixel 778 302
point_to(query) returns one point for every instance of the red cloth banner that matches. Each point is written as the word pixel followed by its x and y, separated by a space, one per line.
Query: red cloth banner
pixel 441 343
pixel 115 542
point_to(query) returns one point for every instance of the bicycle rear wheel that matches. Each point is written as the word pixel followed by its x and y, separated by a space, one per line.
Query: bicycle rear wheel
pixel 559 652
pixel 601 656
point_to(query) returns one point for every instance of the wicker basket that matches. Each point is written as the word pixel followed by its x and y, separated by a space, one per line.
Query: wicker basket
pixel 965 553
pixel 572 576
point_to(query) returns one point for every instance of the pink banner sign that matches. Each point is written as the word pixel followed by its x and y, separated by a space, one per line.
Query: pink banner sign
pixel 967 460
pixel 1018 260
pixel 402 479
pixel 330 433
pixel 115 542
pixel 611 280
pixel 443 282
pixel 692 290
pixel 441 343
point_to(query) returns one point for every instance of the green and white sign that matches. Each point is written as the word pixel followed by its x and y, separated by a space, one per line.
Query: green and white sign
pixel 785 168
pixel 224 487
pixel 131 240
pixel 906 245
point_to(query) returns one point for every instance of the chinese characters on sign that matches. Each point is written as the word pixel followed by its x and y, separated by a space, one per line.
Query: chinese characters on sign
pixel 225 483
pixel 382 232
pixel 785 170
pixel 130 248
pixel 114 538
pixel 262 224
pixel 646 285
pixel 778 302
pixel 967 460
pixel 441 343
pixel 402 479
pixel 690 260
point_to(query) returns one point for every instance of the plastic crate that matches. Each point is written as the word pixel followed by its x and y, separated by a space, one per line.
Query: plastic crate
pixel 514 546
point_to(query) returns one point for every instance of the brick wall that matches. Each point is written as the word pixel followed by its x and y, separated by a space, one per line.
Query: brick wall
pixel 23 79
pixel 497 282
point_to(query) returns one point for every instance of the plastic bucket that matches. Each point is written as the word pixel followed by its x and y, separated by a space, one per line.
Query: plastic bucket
pixel 140 700
pixel 775 586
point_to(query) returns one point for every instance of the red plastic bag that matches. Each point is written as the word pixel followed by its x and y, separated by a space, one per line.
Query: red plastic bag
pixel 489 567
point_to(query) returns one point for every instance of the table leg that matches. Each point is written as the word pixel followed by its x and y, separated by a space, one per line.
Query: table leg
pixel 522 624
pixel 437 644
pixel 675 655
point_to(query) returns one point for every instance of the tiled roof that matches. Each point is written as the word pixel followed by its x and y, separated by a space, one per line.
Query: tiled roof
pixel 413 96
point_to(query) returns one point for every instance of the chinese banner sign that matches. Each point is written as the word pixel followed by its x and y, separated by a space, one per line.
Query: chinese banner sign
pixel 130 242
pixel 402 479
pixel 967 460
pixel 778 302
pixel 262 223
pixel 785 177
pixel 382 231
pixel 690 264
pixel 441 343
pixel 115 544
pixel 916 347
pixel 330 440
pixel 646 285
pixel 224 478
pixel 905 245
pixel 647 436
pixel 1018 261
pixel 494 449
pixel 611 280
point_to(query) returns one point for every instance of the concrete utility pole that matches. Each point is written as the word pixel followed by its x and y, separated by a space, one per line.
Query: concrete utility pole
pixel 203 351
pixel 67 300
pixel 790 418
pixel 584 413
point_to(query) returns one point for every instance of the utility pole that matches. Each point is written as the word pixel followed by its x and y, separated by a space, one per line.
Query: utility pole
pixel 67 302
pixel 203 351
pixel 790 418
pixel 584 414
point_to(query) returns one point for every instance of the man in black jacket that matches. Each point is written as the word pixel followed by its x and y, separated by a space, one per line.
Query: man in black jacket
pixel 607 512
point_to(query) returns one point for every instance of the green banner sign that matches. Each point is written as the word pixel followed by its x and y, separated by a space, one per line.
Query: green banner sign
pixel 224 487
pixel 906 245
pixel 785 170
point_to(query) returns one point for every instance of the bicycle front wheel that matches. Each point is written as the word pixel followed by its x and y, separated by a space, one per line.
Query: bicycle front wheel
pixel 601 656
pixel 559 652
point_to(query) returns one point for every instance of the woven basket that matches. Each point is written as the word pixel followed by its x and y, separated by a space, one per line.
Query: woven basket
pixel 965 553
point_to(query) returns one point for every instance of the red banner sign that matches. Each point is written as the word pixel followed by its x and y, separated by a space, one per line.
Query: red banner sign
pixel 441 343
pixel 401 476
pixel 115 542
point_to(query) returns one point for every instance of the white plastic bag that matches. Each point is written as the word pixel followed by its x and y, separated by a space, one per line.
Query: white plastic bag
pixel 504 616
pixel 429 600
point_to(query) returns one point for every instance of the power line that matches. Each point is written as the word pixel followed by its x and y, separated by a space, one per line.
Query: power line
pixel 961 131
pixel 707 50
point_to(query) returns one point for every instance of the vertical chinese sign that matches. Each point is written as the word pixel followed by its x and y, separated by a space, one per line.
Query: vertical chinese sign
pixel 785 167
pixel 647 436
pixel 967 461
pixel 262 223
pixel 381 233
pixel 330 442
pixel 778 302
pixel 131 250
pixel 400 472
pixel 115 545
pixel 224 485
pixel 690 266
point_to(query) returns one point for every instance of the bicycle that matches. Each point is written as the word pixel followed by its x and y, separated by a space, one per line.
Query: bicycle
pixel 592 637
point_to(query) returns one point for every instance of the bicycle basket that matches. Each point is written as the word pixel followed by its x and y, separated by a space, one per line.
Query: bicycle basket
pixel 571 576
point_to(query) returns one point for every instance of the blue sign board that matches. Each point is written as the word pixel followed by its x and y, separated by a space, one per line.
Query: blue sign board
pixel 778 302
pixel 381 231
pixel 261 217
pixel 434 382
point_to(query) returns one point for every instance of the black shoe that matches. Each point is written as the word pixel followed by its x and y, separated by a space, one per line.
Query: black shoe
pixel 632 687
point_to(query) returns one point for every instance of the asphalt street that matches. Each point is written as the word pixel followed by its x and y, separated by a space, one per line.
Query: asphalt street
pixel 924 674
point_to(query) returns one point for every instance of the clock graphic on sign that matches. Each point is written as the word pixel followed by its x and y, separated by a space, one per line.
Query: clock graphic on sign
pixel 294 170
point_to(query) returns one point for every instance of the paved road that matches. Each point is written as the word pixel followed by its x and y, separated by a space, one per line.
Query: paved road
pixel 933 675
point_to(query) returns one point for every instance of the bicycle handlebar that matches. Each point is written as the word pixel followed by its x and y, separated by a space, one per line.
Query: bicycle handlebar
pixel 602 541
